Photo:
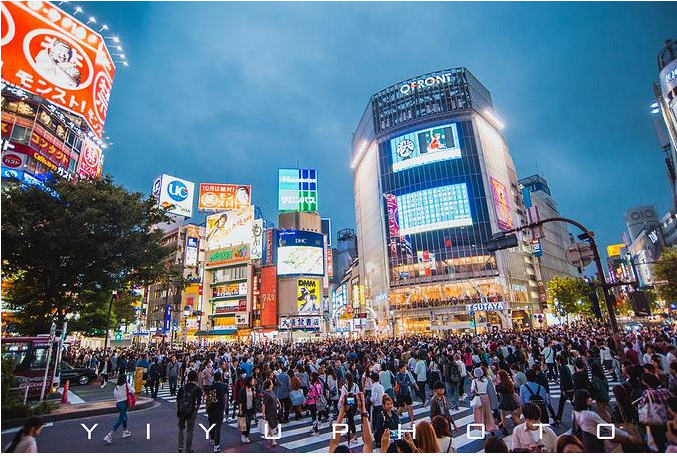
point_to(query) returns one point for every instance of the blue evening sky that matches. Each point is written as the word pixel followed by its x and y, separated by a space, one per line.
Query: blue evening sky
pixel 230 92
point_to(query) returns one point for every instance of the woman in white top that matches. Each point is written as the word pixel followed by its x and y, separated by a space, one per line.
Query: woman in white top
pixel 120 396
pixel 482 408
pixel 24 440
pixel 443 434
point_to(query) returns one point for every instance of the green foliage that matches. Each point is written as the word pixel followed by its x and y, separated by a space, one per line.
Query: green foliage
pixel 665 274
pixel 65 253
pixel 569 290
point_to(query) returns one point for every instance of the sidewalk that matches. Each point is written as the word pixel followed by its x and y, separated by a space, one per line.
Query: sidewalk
pixel 74 411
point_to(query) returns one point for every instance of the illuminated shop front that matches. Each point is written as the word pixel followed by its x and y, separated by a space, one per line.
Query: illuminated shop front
pixel 433 180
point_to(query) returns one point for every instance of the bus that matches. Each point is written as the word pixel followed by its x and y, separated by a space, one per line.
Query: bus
pixel 30 354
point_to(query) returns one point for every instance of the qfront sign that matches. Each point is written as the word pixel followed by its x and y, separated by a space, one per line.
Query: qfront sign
pixel 429 81
pixel 489 306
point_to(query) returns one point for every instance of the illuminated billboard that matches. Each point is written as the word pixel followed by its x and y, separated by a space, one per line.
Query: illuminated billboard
pixel 223 196
pixel 55 56
pixel 308 296
pixel 297 190
pixel 174 195
pixel 433 209
pixel 501 204
pixel 425 146
pixel 230 228
pixel 268 297
pixel 300 253
pixel 91 160
pixel 257 239
pixel 226 256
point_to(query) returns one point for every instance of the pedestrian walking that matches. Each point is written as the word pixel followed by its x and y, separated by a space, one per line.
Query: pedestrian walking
pixel 121 396
pixel 215 401
pixel 247 406
pixel 480 401
pixel 188 401
pixel 271 409
pixel 173 375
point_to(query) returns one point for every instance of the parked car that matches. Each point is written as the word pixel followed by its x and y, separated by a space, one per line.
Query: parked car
pixel 81 376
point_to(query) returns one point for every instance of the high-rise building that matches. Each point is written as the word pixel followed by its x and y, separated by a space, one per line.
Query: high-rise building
pixel 666 104
pixel 550 249
pixel 433 180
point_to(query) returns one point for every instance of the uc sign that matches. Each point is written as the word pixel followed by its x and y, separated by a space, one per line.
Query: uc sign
pixel 177 190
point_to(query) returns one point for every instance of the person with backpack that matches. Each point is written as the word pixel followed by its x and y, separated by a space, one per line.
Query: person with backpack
pixel 283 391
pixel 566 386
pixel 121 394
pixel 215 395
pixel 452 375
pixel 24 440
pixel 349 392
pixel 188 401
pixel 333 390
pixel 549 354
pixel 532 392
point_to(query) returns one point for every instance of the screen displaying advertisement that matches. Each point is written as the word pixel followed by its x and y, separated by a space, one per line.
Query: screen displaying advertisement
pixel 55 56
pixel 297 190
pixel 308 296
pixel 268 296
pixel 300 253
pixel 433 209
pixel 224 196
pixel 174 195
pixel 425 146
pixel 230 228
pixel 501 204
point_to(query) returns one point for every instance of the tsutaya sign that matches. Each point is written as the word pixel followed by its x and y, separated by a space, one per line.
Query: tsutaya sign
pixel 410 87
pixel 488 306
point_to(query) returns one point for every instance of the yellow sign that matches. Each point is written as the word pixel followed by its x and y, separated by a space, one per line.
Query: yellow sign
pixel 614 250
pixel 308 296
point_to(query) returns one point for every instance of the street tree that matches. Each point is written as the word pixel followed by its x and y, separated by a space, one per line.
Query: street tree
pixel 64 252
pixel 572 293
pixel 665 275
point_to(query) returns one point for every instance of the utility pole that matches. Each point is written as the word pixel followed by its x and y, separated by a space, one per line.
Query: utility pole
pixel 110 306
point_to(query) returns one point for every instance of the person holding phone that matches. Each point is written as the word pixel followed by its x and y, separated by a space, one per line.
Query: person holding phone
pixel 386 419
pixel 348 393
pixel 530 435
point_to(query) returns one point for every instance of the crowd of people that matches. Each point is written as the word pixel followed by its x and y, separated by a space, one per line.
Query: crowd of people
pixel 504 377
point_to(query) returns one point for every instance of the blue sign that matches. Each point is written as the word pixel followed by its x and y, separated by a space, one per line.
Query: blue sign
pixel 168 317
pixel 177 190
pixel 538 249
pixel 526 196
pixel 11 173
pixel 192 242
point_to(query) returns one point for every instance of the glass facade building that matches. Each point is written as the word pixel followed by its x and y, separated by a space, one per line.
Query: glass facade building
pixel 433 180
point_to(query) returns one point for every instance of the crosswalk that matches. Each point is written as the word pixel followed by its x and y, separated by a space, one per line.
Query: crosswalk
pixel 297 437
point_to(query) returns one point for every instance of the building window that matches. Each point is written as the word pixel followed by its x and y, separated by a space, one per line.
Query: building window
pixel 21 134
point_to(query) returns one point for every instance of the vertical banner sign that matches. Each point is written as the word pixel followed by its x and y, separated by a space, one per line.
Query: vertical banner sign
pixel 330 262
pixel 269 247
pixel 192 243
pixel 52 54
pixel 501 204
pixel 393 224
pixel 168 318
pixel 256 251
pixel 268 296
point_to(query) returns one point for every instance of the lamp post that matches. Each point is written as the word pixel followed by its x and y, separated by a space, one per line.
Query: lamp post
pixel 110 306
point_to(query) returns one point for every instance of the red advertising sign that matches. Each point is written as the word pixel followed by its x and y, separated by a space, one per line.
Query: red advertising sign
pixel 13 160
pixel 90 159
pixel 268 296
pixel 393 223
pixel 54 55
pixel 49 150
pixel 330 262
pixel 224 196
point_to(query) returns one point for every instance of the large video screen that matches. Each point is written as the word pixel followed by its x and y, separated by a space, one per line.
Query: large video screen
pixel 425 146
pixel 300 253
pixel 433 209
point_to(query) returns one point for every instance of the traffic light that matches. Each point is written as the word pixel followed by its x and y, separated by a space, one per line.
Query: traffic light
pixel 595 305
pixel 500 241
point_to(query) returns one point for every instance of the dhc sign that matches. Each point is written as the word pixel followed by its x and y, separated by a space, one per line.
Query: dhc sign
pixel 408 88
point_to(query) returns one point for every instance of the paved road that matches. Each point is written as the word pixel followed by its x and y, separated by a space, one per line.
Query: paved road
pixel 70 436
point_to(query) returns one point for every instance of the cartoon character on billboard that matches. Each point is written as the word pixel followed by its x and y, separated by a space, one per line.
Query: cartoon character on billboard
pixel 501 204
pixel 307 300
pixel 242 197
pixel 57 63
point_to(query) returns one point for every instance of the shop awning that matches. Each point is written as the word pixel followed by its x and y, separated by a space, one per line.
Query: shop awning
pixel 230 331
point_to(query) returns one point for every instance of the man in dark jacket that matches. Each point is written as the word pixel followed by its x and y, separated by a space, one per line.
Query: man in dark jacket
pixel 173 375
pixel 216 405
pixel 580 377
pixel 187 410
pixel 566 386
pixel 154 378
pixel 270 410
